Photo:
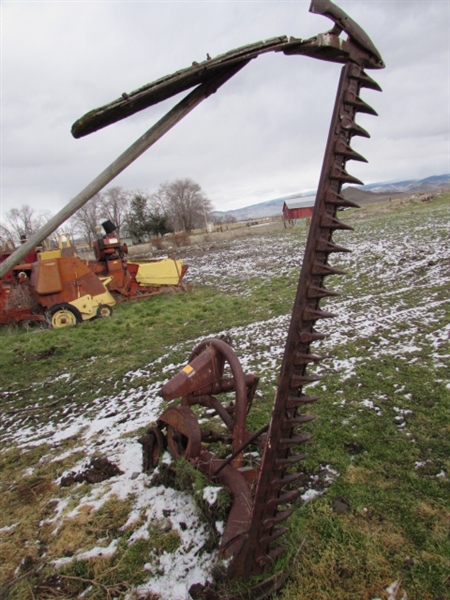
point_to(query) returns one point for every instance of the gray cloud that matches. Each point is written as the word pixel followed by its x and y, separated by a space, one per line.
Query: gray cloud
pixel 262 135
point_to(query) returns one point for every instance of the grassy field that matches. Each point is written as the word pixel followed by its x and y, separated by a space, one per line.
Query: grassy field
pixel 373 520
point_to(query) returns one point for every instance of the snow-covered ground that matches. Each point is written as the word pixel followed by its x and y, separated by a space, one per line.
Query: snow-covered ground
pixel 398 260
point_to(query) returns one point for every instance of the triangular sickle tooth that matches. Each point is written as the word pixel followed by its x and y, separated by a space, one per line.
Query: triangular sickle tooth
pixel 361 106
pixel 299 420
pixel 296 401
pixel 326 246
pixel 280 517
pixel 277 533
pixel 299 380
pixel 285 443
pixel 365 80
pixel 344 149
pixel 303 358
pixel 369 83
pixel 320 292
pixel 336 199
pixel 350 204
pixel 348 124
pixel 286 480
pixel 285 498
pixel 288 429
pixel 311 336
pixel 352 155
pixel 313 314
pixel 330 222
pixel 324 269
pixel 270 557
pixel 276 553
pixel 344 177
pixel 290 461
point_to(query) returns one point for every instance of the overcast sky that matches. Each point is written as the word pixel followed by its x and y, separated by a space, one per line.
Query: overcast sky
pixel 260 137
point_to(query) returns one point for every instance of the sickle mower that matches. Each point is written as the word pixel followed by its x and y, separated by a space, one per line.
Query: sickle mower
pixel 263 495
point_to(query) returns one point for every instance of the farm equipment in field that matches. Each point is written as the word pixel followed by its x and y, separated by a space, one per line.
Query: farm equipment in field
pixel 16 301
pixel 133 279
pixel 57 287
pixel 17 304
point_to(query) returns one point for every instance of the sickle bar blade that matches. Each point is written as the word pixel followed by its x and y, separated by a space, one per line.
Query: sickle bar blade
pixel 273 503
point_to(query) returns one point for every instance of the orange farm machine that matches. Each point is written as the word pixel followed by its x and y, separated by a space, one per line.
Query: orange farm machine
pixel 54 287
pixel 58 288
pixel 133 279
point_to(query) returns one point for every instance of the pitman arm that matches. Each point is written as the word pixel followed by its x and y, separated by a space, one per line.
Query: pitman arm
pixel 345 23
pixel 329 46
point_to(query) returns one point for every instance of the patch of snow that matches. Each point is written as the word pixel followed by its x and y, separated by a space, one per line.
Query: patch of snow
pixel 393 591
pixel 419 464
pixel 371 405
pixel 9 527
pixel 220 527
pixel 310 495
pixel 210 494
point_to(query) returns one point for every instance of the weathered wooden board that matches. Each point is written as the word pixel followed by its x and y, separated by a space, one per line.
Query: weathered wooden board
pixel 170 85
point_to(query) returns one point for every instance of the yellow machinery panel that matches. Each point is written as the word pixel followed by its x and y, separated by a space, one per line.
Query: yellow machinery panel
pixel 166 271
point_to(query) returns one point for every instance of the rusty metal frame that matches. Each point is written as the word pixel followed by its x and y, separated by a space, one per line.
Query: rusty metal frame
pixel 253 537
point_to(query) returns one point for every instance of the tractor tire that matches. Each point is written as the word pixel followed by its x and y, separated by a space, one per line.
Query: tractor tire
pixel 63 315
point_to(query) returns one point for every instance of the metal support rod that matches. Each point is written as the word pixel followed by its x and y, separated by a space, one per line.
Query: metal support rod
pixel 250 440
pixel 121 163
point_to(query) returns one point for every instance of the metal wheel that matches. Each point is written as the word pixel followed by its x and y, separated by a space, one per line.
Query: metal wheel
pixel 177 443
pixel 104 311
pixel 184 437
pixel 152 448
pixel 64 315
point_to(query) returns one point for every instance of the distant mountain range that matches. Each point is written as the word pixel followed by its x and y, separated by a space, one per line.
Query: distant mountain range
pixel 410 186
pixel 365 194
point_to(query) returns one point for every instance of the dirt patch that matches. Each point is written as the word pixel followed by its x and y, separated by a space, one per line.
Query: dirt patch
pixel 98 469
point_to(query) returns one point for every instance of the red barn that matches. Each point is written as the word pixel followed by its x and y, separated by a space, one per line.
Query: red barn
pixel 298 209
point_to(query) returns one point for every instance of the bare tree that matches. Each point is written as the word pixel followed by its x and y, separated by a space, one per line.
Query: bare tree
pixel 114 206
pixel 86 220
pixel 23 222
pixel 6 237
pixel 110 205
pixel 184 202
